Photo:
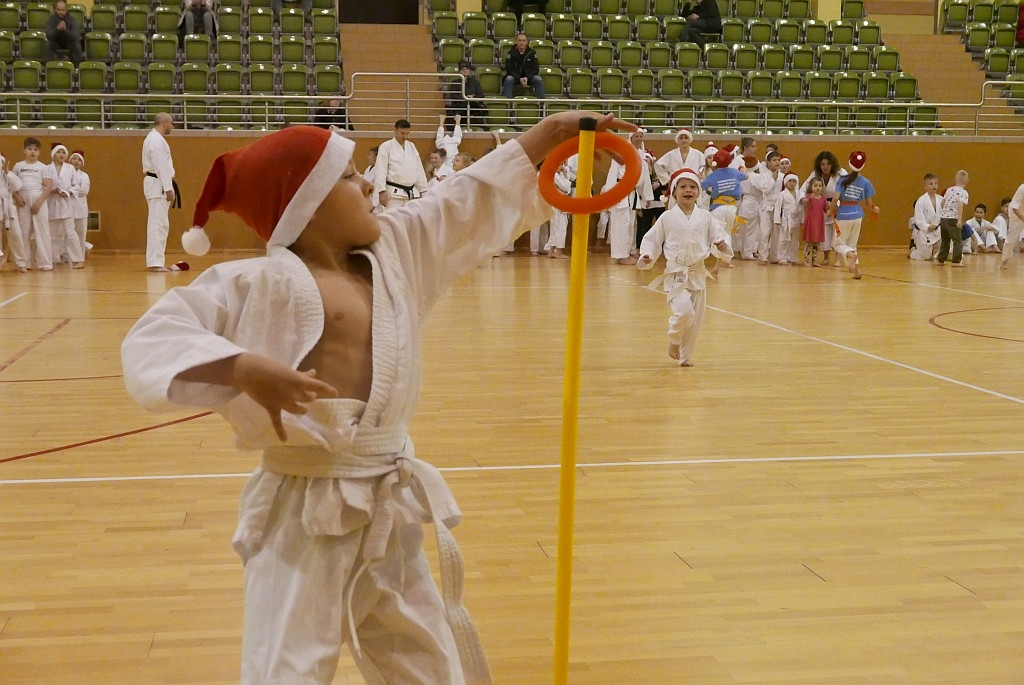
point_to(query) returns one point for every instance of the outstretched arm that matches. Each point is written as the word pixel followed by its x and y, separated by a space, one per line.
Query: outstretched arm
pixel 557 128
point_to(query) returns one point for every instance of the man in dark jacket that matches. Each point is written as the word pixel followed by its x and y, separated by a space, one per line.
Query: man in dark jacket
pixel 522 67
pixel 63 33
pixel 702 16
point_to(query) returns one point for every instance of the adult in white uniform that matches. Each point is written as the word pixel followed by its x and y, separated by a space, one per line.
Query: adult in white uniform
pixel 330 524
pixel 622 217
pixel 158 185
pixel 399 178
pixel 688 235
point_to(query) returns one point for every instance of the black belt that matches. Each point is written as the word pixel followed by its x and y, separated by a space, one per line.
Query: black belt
pixel 174 184
pixel 408 189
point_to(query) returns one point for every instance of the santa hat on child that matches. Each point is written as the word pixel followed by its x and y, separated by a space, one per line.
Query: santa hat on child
pixel 680 174
pixel 684 133
pixel 721 160
pixel 750 161
pixel 77 153
pixel 784 159
pixel 57 146
pixel 857 160
pixel 790 177
pixel 710 150
pixel 274 185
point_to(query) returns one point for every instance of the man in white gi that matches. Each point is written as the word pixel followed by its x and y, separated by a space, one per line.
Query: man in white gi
pixel 683 157
pixel 399 178
pixel 158 185
pixel 622 217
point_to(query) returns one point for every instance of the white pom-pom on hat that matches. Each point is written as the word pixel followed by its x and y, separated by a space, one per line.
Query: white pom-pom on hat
pixel 195 241
pixel 857 160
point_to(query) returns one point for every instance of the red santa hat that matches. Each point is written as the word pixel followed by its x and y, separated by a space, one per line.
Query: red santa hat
pixel 77 153
pixel 57 146
pixel 784 159
pixel 710 150
pixel 750 161
pixel 790 177
pixel 722 159
pixel 857 160
pixel 684 133
pixel 680 174
pixel 274 185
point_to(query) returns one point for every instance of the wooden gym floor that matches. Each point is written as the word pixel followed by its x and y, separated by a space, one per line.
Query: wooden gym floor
pixel 833 495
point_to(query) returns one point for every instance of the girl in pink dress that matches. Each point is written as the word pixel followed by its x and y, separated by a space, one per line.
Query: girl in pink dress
pixel 814 222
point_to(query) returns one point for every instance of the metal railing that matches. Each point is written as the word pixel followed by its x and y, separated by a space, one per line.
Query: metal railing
pixel 376 100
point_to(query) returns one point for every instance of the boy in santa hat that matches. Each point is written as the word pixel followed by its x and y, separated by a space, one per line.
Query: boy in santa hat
pixel 80 187
pixel 688 235
pixel 61 210
pixel 312 354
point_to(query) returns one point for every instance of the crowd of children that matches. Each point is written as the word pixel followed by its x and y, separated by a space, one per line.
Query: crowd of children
pixel 44 209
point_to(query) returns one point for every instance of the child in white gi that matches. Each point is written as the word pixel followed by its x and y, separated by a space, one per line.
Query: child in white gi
pixel 688 235
pixel 1001 222
pixel 60 208
pixel 36 183
pixel 787 218
pixel 985 230
pixel 81 186
pixel 622 217
pixel 312 354
pixel 10 184
pixel 926 220
pixel 1016 224
pixel 449 143
pixel 558 226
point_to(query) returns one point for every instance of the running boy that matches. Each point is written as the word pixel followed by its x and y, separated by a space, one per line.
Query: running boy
pixel 688 235
pixel 312 355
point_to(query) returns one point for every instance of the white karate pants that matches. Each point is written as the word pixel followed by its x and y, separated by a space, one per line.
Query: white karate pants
pixel 559 225
pixel 848 235
pixel 15 243
pixel 621 231
pixel 296 611
pixel 64 240
pixel 748 223
pixel 767 236
pixel 725 215
pixel 81 229
pixel 1012 241
pixel 158 225
pixel 830 234
pixel 684 324
pixel 36 227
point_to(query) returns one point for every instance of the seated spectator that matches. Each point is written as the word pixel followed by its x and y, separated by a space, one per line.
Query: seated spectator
pixel 197 16
pixel 517 7
pixel 333 113
pixel 63 33
pixel 464 106
pixel 702 16
pixel 522 67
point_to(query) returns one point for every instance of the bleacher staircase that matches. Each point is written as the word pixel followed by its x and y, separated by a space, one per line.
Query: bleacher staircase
pixel 947 73
pixel 386 48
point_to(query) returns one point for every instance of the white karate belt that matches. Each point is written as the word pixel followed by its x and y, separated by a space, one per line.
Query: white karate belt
pixel 388 452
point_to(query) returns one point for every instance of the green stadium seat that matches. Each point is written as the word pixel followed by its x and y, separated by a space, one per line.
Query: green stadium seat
pixel 773 9
pixel 127 77
pixel 92 77
pixel 229 20
pixel 842 32
pixel 570 53
pixel 294 79
pixel 601 53
pixel 618 27
pixel 671 84
pixel 135 18
pixel 132 47
pixel 789 85
pixel 327 79
pixel 164 47
pixel 6 47
pixel 665 8
pixel 846 86
pixel 904 86
pixel 760 31
pixel 553 78
pixel 293 22
pixel 579 82
pixel 161 77
pixel 674 27
pixel 474 25
pixel 611 83
pixel 773 57
pixel 197 47
pixel 1004 36
pixel 88 112
pixel 746 9
pixel 1006 11
pixel 490 80
pixel 580 6
pixel 261 20
pixel 702 84
pixel 717 118
pixel 36 14
pixel 924 117
pixel 635 7
pixel 884 58
pixel 534 24
pixel 503 25
pixel 165 19
pixel 227 78
pixel 857 58
pixel 609 7
pixel 630 54
pixel 526 112
pixel 734 31
pixel 292 48
pixel 195 78
pixel 453 50
pixel 760 84
pixel 26 75
pixel 260 48
pixel 875 85
pixel 817 85
pixel 640 83
pixel 32 45
pixel 229 48
pixel 648 28
pixel 658 55
pixel 716 56
pixel 325 50
pixel 747 117
pixel 688 56
pixel 788 32
pixel 745 57
pixel 867 33
pixel 777 117
pixel 325 23
pixel 801 58
pixel 982 10
pixel 591 27
pixel 104 18
pixel 10 16
pixel 1017 61
pixel 852 9
pixel 976 37
pixel 815 32
pixel 897 119
pixel 798 9
pixel 544 48
pixel 261 79
pixel 829 58
pixel 955 15
pixel 446 24
pixel 60 76
pixel 730 84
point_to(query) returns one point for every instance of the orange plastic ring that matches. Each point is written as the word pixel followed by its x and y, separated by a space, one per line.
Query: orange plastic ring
pixel 602 201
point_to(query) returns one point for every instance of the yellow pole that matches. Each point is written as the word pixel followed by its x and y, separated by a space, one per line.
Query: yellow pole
pixel 570 403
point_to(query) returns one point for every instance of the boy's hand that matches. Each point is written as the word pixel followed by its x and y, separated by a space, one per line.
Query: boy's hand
pixel 440 121
pixel 277 387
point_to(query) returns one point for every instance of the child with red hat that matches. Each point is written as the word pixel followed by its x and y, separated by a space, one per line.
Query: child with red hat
pixel 312 354
pixel 688 235
pixel 854 193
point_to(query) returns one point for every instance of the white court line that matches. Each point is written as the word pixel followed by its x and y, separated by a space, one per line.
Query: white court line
pixel 968 292
pixel 552 467
pixel 876 357
pixel 12 299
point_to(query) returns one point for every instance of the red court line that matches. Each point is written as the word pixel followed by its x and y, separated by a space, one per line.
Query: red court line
pixel 34 344
pixel 933 321
pixel 104 438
